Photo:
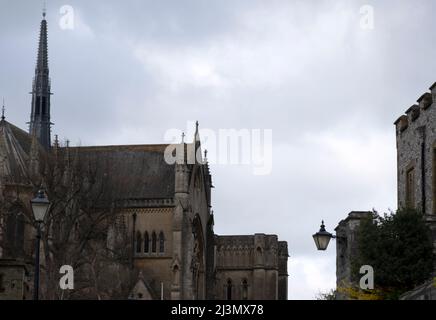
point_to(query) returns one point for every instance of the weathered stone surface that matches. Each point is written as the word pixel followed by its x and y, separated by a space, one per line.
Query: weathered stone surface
pixel 346 248
pixel 13 280
pixel 258 261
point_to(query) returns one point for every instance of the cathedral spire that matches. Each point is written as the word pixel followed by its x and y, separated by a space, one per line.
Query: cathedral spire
pixel 40 112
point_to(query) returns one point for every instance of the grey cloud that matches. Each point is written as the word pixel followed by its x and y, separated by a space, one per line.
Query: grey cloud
pixel 134 69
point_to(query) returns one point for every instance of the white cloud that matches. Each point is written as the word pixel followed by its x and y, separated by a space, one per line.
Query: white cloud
pixel 76 23
pixel 179 68
pixel 369 155
pixel 310 276
pixel 267 49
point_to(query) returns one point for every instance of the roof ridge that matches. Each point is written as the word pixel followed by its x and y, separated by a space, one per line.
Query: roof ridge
pixel 132 147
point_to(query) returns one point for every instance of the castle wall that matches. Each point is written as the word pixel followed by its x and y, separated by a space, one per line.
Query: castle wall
pixel 416 184
pixel 416 157
pixel 415 130
pixel 346 249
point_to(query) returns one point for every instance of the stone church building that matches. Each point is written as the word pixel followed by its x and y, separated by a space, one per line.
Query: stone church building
pixel 162 211
pixel 416 185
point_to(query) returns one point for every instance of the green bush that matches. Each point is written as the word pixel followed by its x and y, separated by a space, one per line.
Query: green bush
pixel 399 248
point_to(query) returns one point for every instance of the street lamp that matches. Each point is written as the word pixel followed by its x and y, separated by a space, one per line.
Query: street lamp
pixel 322 238
pixel 40 206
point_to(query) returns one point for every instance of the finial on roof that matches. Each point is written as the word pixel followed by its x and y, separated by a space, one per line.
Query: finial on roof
pixel 3 110
pixel 197 133
pixel 56 142
pixel 183 137
pixel 205 155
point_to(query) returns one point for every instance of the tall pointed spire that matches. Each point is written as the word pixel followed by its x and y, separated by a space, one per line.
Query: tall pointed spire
pixel 40 113
pixel 42 60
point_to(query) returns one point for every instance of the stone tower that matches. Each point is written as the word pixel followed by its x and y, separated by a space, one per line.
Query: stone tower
pixel 346 250
pixel 416 186
pixel 40 112
pixel 416 158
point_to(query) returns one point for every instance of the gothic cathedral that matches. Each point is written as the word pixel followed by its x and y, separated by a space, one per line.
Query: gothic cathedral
pixel 131 225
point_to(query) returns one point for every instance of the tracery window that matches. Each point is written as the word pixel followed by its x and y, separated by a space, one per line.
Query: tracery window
pixel 161 242
pixel 146 242
pixel 138 242
pixel 153 242
pixel 229 288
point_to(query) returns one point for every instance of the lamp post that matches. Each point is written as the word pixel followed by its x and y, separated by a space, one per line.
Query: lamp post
pixel 40 206
pixel 322 238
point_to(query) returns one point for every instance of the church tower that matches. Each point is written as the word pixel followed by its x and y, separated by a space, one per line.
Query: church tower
pixel 40 114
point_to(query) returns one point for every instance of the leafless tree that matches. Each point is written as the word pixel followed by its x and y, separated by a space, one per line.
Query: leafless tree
pixel 83 228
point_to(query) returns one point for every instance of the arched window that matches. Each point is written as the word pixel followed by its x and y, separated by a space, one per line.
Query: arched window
pixel 176 275
pixel 244 289
pixel 2 289
pixel 138 242
pixel 15 234
pixel 229 289
pixel 161 242
pixel 10 230
pixel 146 243
pixel 20 233
pixel 153 242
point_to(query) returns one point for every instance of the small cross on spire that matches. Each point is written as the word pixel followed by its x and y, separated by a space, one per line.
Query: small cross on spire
pixel 44 9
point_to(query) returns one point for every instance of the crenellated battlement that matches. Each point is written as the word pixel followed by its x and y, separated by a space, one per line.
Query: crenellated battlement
pixel 416 158
pixel 416 150
pixel 424 102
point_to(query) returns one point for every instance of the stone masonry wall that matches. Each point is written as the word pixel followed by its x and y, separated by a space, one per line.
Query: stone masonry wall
pixel 416 127
pixel 416 149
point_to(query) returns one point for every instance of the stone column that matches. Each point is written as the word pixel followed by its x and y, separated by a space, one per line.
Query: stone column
pixel 259 273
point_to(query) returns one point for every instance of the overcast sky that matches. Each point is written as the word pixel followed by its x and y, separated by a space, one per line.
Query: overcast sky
pixel 329 89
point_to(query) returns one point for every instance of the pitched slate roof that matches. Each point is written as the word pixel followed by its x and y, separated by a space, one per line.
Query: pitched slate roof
pixel 130 171
pixel 15 148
